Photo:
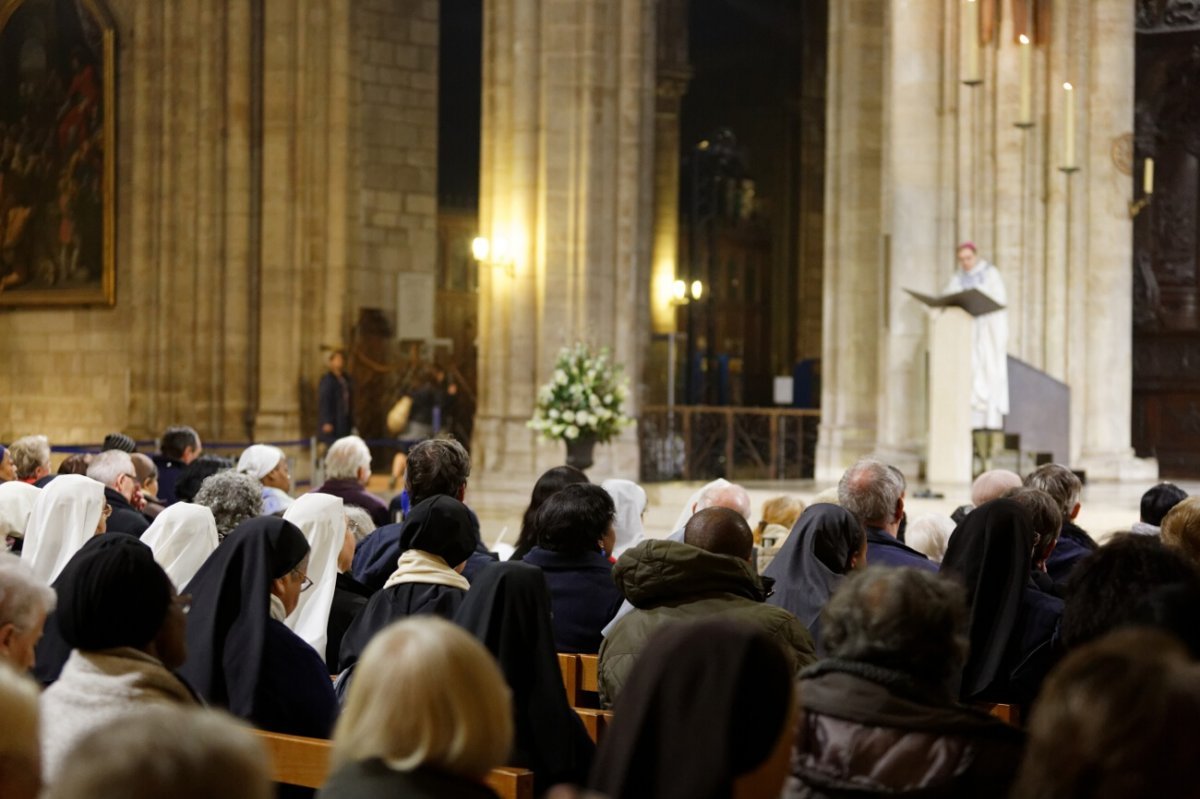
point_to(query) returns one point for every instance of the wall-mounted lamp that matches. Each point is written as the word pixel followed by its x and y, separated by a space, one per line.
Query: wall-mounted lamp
pixel 679 292
pixel 498 253
pixel 1137 206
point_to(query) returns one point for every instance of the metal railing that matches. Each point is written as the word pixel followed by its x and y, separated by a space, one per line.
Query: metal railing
pixel 702 442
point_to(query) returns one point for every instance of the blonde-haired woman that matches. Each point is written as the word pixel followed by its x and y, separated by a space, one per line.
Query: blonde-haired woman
pixel 428 715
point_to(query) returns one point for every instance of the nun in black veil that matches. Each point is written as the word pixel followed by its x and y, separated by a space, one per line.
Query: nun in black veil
pixel 508 609
pixel 241 656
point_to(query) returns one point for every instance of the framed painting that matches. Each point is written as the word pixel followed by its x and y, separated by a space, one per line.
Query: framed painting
pixel 57 152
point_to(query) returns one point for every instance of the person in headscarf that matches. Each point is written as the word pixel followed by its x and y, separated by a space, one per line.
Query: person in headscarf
pixel 182 537
pixel 120 615
pixel 779 515
pixel 551 482
pixel 322 519
pixel 1012 626
pixel 16 506
pixel 575 528
pixel 66 514
pixel 508 610
pixel 8 469
pixel 436 538
pixel 269 466
pixel 707 714
pixel 826 544
pixel 630 501
pixel 241 654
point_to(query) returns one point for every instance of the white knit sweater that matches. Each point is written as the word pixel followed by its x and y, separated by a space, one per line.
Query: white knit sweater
pixel 97 688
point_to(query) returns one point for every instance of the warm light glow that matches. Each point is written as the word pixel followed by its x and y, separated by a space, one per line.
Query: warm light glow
pixel 679 291
pixel 697 289
pixel 1024 39
pixel 1068 86
pixel 480 248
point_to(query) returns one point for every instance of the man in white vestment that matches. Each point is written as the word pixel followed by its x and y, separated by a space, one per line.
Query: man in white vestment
pixel 989 340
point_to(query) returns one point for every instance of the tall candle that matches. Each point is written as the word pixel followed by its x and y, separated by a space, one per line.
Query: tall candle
pixel 1068 126
pixel 1148 176
pixel 970 42
pixel 1025 117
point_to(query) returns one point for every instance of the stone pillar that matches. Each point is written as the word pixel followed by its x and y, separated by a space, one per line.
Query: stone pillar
pixel 853 244
pixel 1103 390
pixel 568 92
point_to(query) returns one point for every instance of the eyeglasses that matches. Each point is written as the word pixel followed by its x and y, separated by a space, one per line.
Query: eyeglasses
pixel 305 583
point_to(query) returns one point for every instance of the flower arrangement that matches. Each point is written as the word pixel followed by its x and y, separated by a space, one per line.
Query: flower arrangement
pixel 584 397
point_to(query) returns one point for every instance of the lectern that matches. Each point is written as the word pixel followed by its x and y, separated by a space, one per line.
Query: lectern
pixel 948 453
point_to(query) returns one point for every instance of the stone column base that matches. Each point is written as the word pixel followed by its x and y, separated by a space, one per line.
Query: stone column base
pixel 1119 466
pixel 838 447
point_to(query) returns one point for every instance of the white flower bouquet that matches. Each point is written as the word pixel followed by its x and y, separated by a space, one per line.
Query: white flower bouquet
pixel 584 397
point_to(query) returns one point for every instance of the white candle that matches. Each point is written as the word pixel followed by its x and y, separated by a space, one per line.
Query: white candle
pixel 1069 126
pixel 1148 176
pixel 970 42
pixel 1025 116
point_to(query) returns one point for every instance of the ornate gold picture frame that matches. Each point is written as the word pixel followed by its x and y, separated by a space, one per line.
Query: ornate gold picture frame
pixel 57 153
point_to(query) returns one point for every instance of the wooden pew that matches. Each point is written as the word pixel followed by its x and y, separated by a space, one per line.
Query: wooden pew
pixel 589 673
pixel 594 721
pixel 569 666
pixel 305 762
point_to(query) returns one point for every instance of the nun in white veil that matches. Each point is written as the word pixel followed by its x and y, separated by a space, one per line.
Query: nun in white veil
pixel 322 519
pixel 268 465
pixel 182 537
pixel 16 505
pixel 630 501
pixel 66 514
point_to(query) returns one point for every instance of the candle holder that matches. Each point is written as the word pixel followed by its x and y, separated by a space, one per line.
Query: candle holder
pixel 1137 206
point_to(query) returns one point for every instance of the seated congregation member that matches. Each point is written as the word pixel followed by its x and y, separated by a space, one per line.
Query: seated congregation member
pixel 1114 721
pixel 119 441
pixel 879 717
pixel 574 537
pixel 232 497
pixel 360 523
pixel 1012 625
pixel 629 499
pixel 8 469
pixel 1047 526
pixel 1073 542
pixel 182 537
pixel 708 575
pixel 125 625
pixel 1181 529
pixel 114 468
pixel 827 544
pixel 508 610
pixel 75 463
pixel 166 752
pixel 322 519
pixel 874 493
pixel 993 484
pixel 269 466
pixel 347 472
pixel 147 479
pixel 195 473
pixel 66 514
pixel 779 516
pixel 31 458
pixel 929 535
pixel 1110 586
pixel 1155 505
pixel 708 712
pixel 179 447
pixel 241 655
pixel 551 482
pixel 436 539
pixel 428 716
pixel 24 603
pixel 20 756
pixel 437 467
pixel 16 506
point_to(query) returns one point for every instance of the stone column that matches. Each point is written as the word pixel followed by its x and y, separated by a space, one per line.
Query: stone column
pixel 853 221
pixel 566 185
pixel 1103 390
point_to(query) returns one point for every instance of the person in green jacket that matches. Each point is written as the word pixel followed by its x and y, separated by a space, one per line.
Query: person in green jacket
pixel 707 575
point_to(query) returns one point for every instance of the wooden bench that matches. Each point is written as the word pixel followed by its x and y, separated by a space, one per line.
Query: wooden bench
pixel 595 721
pixel 305 762
pixel 581 679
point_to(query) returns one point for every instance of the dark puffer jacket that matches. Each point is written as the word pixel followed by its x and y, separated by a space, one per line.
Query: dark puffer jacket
pixel 866 731
pixel 668 582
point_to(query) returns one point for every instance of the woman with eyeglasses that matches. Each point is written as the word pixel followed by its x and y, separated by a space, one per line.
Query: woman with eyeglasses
pixel 241 654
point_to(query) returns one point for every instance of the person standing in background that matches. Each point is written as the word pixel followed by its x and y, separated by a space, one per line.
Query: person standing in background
pixel 335 401
pixel 989 339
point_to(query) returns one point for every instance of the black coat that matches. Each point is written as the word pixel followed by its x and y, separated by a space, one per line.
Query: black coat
pixel 583 597
pixel 125 518
pixel 371 779
pixel 392 604
pixel 349 598
pixel 335 406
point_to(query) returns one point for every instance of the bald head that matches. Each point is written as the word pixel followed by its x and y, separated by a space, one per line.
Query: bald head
pixel 993 484
pixel 721 531
pixel 729 495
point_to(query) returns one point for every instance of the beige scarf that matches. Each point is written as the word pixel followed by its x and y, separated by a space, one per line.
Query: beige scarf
pixel 418 566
